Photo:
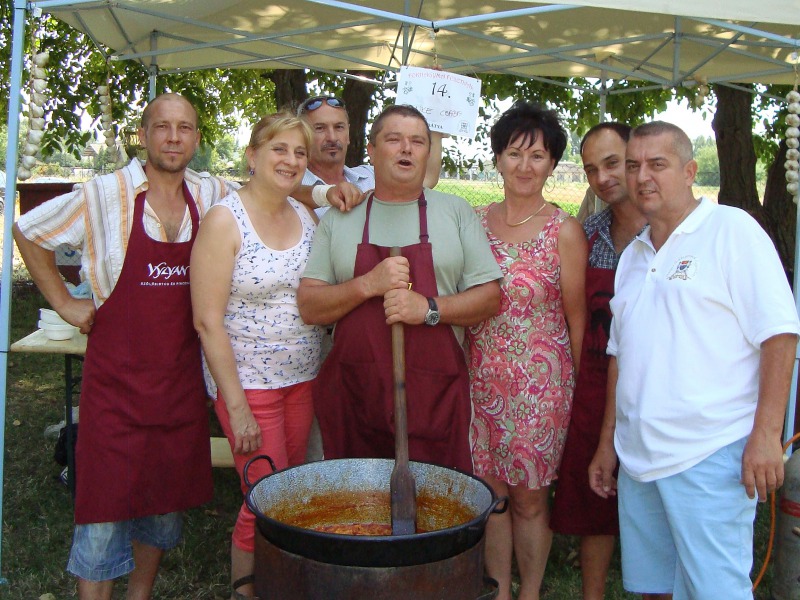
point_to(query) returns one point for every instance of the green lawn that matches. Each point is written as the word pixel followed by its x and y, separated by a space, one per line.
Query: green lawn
pixel 478 193
pixel 566 195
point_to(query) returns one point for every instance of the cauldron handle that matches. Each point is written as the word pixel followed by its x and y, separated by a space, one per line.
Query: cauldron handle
pixel 251 461
pixel 497 509
pixel 489 582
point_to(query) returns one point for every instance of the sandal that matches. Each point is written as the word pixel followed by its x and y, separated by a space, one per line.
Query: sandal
pixel 246 580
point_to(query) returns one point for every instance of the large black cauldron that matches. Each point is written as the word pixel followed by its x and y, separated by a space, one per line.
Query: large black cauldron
pixel 358 485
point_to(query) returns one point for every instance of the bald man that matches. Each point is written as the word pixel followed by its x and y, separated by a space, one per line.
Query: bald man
pixel 143 455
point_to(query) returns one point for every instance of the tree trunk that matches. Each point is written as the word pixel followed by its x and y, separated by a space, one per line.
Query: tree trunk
pixel 357 95
pixel 290 88
pixel 780 211
pixel 733 128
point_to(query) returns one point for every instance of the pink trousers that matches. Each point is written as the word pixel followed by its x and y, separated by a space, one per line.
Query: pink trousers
pixel 284 416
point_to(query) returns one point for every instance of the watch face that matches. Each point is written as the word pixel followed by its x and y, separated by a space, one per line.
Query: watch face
pixel 432 318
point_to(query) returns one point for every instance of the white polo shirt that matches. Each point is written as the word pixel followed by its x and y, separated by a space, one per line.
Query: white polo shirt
pixel 688 324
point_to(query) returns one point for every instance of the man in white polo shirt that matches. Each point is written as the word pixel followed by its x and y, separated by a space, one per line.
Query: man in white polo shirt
pixel 702 343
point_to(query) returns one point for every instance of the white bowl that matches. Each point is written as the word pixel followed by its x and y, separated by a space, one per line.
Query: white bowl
pixel 47 315
pixel 58 332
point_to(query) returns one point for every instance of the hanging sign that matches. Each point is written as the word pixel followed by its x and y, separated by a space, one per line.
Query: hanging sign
pixel 448 101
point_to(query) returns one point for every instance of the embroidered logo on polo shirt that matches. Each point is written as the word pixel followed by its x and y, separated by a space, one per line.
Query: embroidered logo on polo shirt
pixel 684 269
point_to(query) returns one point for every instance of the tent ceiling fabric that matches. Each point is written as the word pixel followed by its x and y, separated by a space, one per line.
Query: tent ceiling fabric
pixel 662 43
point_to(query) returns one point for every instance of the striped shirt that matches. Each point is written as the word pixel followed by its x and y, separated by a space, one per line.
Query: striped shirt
pixel 96 218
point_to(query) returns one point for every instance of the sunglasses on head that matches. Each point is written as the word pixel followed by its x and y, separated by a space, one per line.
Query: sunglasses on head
pixel 314 103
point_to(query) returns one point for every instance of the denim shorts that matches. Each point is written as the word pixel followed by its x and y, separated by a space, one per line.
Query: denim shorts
pixel 691 533
pixel 103 551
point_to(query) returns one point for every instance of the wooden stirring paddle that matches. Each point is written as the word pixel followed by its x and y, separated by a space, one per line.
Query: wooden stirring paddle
pixel 402 486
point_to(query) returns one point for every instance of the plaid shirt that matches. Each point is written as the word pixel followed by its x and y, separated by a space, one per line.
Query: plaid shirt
pixel 602 254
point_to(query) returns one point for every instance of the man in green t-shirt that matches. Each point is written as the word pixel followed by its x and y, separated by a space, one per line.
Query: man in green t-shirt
pixel 445 275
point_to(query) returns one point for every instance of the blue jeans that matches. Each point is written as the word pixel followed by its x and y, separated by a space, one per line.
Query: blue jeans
pixel 103 551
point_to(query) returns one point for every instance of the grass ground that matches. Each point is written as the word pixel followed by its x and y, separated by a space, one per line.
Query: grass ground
pixel 37 509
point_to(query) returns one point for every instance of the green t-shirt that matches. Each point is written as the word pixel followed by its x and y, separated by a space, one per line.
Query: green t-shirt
pixel 461 255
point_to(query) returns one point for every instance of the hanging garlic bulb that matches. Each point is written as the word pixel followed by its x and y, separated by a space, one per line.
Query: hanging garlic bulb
pixel 35 137
pixel 792 164
pixel 106 120
pixel 40 59
pixel 36 123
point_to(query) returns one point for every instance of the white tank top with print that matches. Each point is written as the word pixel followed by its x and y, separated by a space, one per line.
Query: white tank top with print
pixel 272 345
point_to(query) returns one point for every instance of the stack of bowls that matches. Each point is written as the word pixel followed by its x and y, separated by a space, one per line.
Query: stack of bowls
pixel 54 327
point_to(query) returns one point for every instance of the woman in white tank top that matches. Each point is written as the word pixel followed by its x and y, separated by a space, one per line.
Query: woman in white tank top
pixel 259 356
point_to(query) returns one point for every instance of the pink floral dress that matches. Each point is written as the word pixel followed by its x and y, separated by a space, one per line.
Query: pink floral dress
pixel 520 365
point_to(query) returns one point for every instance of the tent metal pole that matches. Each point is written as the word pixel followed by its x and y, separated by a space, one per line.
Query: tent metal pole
pixel 153 69
pixel 17 47
pixel 758 33
pixel 603 95
pixel 406 49
pixel 788 426
pixel 676 52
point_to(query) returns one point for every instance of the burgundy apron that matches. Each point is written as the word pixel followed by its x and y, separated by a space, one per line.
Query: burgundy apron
pixel 143 446
pixel 577 509
pixel 354 392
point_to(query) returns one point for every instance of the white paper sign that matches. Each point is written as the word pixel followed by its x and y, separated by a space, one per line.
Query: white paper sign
pixel 448 101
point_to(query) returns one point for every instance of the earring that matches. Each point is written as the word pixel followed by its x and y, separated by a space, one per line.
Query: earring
pixel 252 171
pixel 552 182
pixel 498 179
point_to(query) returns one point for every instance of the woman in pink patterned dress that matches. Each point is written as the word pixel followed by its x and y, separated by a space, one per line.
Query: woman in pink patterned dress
pixel 523 361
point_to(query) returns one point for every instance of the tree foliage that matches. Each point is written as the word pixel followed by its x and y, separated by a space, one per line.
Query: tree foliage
pixel 705 154
pixel 77 67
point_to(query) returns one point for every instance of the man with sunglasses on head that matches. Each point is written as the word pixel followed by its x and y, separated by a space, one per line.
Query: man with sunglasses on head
pixel 328 118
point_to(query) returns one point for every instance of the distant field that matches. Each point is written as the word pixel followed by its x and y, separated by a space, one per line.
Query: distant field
pixel 479 193
pixel 567 195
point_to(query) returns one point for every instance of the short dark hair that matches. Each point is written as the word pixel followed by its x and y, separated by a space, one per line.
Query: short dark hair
pixel 681 143
pixel 623 130
pixel 524 119
pixel 403 110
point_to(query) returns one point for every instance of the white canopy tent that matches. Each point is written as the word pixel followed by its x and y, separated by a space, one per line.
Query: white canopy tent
pixel 664 43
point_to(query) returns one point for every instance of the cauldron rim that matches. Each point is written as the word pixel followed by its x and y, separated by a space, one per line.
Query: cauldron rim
pixel 343 536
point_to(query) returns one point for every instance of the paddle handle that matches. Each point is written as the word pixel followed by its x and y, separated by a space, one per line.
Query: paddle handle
pixel 399 369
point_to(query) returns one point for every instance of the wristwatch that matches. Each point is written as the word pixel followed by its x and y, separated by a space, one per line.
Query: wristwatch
pixel 432 316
